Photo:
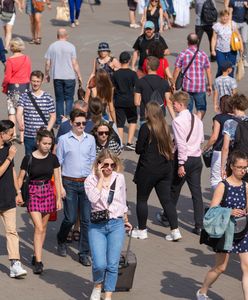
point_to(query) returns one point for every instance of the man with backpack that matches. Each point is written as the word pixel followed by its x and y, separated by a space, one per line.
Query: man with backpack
pixel 142 44
pixel 152 87
pixel 206 16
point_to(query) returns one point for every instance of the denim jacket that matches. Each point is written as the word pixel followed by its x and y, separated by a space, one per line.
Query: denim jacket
pixel 218 221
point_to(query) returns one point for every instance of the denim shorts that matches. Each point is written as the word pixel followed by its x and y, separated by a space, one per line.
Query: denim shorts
pixel 200 101
pixel 30 10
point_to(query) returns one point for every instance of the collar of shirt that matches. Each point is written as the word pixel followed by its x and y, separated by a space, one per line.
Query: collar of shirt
pixel 72 134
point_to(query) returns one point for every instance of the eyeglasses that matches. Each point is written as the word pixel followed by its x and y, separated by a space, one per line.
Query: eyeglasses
pixel 80 123
pixel 241 168
pixel 112 166
pixel 103 132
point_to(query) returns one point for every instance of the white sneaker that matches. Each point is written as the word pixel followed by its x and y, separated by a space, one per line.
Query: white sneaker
pixel 139 234
pixel 174 236
pixel 96 294
pixel 16 270
pixel 201 296
pixel 135 26
pixel 245 63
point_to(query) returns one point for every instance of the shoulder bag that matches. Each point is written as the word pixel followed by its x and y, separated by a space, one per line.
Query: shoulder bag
pixel 241 223
pixel 39 5
pixel 62 13
pixel 25 184
pixel 103 215
pixel 235 40
pixel 180 77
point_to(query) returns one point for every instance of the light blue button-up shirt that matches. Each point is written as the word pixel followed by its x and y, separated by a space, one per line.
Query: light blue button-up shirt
pixel 76 156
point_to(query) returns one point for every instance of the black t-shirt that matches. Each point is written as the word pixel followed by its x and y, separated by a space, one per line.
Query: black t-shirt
pixel 7 187
pixel 146 86
pixel 239 8
pixel 124 81
pixel 142 44
pixel 41 169
pixel 221 119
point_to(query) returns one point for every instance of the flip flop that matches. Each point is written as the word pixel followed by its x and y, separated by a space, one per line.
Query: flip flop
pixel 69 237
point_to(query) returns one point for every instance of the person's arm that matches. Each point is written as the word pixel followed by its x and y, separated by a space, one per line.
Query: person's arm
pixel 134 59
pixel 161 20
pixel 4 166
pixel 226 4
pixel 19 118
pixel 224 154
pixel 75 66
pixel 7 76
pixel 116 64
pixel 51 121
pixel 137 99
pixel 214 136
pixel 21 177
pixel 213 43
pixel 215 101
pixel 230 9
pixel 170 105
pixel 93 73
pixel 57 181
pixel 176 72
pixel 19 200
pixel 143 20
pixel 47 69
pixel 111 109
pixel 218 195
pixel 234 91
pixel 142 140
pixel 209 77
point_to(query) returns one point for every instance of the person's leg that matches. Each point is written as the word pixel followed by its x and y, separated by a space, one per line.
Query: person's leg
pixel 8 35
pixel 215 172
pixel 59 98
pixel 69 91
pixel 78 7
pixel 191 102
pixel 37 27
pixel 72 8
pixel 232 57
pixel 209 31
pixel 115 239
pixel 244 267
pixel 200 104
pixel 9 220
pixel 84 208
pixel 132 117
pixel 120 121
pixel 193 168
pixel 220 59
pixel 32 27
pixel 221 261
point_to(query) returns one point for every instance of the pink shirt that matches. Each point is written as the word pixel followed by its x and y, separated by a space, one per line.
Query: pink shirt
pixel 181 126
pixel 99 199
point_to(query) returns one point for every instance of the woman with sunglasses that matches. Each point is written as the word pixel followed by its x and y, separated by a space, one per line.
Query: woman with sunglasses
pixel 107 236
pixel 154 170
pixel 42 167
pixel 106 138
pixel 153 12
pixel 236 199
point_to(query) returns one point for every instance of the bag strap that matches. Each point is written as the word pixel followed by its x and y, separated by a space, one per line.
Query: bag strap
pixel 192 126
pixel 37 108
pixel 225 190
pixel 149 84
pixel 111 192
pixel 189 64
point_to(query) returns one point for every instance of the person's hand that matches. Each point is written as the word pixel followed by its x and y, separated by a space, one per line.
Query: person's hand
pixel 209 90
pixel 47 78
pixel 236 212
pixel 80 81
pixel 49 5
pixel 63 193
pixel 181 171
pixel 223 173
pixel 63 118
pixel 100 170
pixel 128 226
pixel 58 205
pixel 21 127
pixel 12 152
pixel 213 53
pixel 19 200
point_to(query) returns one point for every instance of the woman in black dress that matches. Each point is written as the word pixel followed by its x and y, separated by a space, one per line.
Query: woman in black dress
pixel 153 12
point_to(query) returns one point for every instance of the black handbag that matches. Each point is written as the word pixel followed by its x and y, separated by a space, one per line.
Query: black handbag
pixel 207 157
pixel 103 215
pixel 216 243
pixel 25 184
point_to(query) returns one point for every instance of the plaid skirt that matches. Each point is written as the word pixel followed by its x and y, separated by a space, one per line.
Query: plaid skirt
pixel 41 197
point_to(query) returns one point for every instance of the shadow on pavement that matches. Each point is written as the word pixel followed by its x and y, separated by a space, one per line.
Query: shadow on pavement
pixel 58 23
pixel 120 22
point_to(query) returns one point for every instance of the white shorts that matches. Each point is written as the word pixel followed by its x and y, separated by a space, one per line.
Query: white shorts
pixel 11 22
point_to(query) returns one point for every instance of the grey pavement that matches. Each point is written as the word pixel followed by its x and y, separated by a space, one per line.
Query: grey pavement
pixel 165 270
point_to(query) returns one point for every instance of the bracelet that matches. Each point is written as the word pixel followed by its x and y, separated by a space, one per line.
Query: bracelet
pixel 9 159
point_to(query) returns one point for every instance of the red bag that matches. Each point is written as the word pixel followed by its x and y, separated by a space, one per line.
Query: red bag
pixel 39 5
pixel 53 215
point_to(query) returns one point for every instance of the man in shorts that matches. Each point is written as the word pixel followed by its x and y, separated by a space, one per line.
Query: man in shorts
pixel 132 5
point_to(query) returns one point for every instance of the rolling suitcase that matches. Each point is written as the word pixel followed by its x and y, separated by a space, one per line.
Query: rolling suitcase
pixel 126 270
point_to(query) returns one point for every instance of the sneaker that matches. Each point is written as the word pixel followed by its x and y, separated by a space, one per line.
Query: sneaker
pixel 162 219
pixel 139 234
pixel 76 22
pixel 130 146
pixel 96 294
pixel 16 270
pixel 200 296
pixel 62 251
pixel 73 25
pixel 38 267
pixel 134 26
pixel 245 63
pixel 174 236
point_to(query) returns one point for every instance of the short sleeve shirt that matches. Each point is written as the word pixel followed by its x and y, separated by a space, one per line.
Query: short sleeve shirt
pixel 225 85
pixel 223 33
pixel 32 120
pixel 238 14
pixel 230 127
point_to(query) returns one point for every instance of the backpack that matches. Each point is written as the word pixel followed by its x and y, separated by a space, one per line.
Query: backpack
pixel 209 14
pixel 156 38
pixel 241 136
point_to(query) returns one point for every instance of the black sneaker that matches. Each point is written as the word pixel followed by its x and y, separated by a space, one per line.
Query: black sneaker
pixel 38 267
pixel 85 260
pixel 130 146
pixel 162 219
pixel 62 251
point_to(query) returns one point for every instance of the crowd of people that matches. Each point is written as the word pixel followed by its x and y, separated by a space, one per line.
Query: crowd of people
pixel 74 145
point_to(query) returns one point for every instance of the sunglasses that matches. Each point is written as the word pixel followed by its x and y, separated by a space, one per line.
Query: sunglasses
pixel 103 132
pixel 112 166
pixel 154 0
pixel 80 123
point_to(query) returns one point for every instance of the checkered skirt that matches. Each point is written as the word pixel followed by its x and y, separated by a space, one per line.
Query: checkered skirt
pixel 41 198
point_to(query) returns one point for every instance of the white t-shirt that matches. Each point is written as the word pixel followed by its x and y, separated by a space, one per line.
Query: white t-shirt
pixel 224 33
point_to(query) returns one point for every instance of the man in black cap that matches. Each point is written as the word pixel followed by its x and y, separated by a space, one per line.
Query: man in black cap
pixel 142 44
pixel 124 81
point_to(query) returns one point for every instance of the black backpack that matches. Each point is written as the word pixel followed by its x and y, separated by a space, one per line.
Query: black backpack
pixel 209 14
pixel 156 38
pixel 241 136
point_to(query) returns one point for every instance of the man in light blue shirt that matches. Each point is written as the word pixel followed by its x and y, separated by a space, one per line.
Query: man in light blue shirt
pixel 76 152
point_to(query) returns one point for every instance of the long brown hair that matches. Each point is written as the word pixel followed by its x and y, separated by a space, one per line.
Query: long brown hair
pixel 159 129
pixel 103 86
pixel 150 6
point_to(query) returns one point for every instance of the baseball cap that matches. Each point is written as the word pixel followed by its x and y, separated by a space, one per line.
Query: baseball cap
pixel 149 24
pixel 103 46
pixel 226 65
pixel 124 57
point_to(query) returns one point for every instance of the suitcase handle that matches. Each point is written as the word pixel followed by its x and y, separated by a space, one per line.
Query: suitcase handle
pixel 128 248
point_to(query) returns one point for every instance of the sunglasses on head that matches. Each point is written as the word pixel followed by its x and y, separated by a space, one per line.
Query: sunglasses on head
pixel 107 165
pixel 80 123
pixel 103 132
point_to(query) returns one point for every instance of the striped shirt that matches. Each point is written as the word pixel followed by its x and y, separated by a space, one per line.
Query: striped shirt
pixel 112 145
pixel 194 79
pixel 32 120
pixel 225 85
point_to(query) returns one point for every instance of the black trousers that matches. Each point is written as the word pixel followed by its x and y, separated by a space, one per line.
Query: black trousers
pixel 193 169
pixel 146 181
pixel 199 30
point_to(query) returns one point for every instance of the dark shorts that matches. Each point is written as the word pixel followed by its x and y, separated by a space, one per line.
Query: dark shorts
pixel 132 5
pixel 199 99
pixel 126 113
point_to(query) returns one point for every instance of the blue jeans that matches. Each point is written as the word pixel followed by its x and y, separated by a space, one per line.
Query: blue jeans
pixel 30 145
pixel 200 101
pixel 76 202
pixel 222 57
pixel 74 5
pixel 64 90
pixel 106 241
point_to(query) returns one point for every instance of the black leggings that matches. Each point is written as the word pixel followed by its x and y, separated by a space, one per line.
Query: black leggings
pixel 162 184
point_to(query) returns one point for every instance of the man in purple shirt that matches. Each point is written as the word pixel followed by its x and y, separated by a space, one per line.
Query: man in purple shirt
pixel 188 136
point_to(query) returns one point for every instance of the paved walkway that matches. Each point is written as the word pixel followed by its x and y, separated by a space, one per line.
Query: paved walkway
pixel 165 270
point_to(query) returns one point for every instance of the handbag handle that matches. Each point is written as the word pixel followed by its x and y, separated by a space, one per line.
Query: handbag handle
pixel 128 248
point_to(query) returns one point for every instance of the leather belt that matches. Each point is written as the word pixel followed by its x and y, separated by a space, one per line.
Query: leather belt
pixel 39 182
pixel 82 179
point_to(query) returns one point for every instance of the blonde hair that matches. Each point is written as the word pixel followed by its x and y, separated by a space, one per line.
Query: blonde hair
pixel 181 97
pixel 17 45
pixel 104 154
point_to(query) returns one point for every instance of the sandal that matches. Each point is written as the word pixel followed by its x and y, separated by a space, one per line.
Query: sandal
pixel 38 41
pixel 32 41
pixel 69 237
pixel 76 235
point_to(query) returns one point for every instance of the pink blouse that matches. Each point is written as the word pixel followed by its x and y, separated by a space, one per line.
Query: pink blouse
pixel 99 200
